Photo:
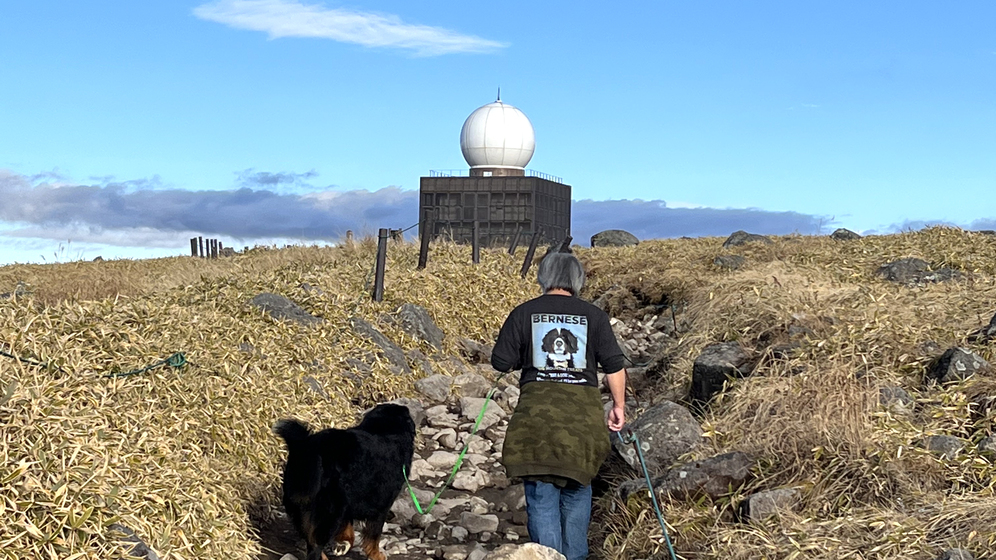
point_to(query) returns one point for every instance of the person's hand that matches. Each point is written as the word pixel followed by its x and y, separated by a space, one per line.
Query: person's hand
pixel 617 418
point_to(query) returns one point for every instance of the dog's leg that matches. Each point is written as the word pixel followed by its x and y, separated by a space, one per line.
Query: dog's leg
pixel 372 530
pixel 333 524
pixel 344 540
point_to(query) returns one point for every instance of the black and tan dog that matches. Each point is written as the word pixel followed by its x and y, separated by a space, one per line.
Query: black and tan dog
pixel 335 477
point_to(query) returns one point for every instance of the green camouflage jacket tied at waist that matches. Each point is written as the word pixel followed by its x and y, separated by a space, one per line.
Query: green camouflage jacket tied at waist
pixel 557 429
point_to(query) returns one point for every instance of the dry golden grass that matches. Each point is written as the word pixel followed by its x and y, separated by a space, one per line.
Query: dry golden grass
pixel 186 458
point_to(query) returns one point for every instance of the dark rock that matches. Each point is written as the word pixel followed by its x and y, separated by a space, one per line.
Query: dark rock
pixel 986 333
pixel 987 231
pixel 762 505
pixel 21 289
pixel 956 554
pixel 715 365
pixel 913 271
pixel 930 348
pixel 416 321
pixel 946 446
pixel 842 234
pixel 987 448
pixel 742 238
pixel 666 431
pixel 714 477
pixel 246 348
pixel 729 262
pixel 957 364
pixel 475 352
pixel 280 307
pixel 613 238
pixel 617 302
pixel 394 354
pixel 98 258
pixel 139 548
pixel 226 252
pixel 420 360
pixel 888 396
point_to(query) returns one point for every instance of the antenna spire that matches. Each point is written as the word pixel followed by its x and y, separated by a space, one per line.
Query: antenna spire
pixel 499 94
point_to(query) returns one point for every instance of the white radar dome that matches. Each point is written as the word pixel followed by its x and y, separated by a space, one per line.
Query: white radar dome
pixel 497 135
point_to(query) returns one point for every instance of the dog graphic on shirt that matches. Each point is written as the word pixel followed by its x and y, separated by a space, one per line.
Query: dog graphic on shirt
pixel 560 346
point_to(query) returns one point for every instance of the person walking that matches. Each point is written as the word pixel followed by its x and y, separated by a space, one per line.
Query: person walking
pixel 557 437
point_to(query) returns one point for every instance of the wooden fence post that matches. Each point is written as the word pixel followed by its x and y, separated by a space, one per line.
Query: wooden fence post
pixel 378 289
pixel 425 229
pixel 515 240
pixel 530 252
pixel 193 246
pixel 475 244
pixel 200 246
pixel 565 247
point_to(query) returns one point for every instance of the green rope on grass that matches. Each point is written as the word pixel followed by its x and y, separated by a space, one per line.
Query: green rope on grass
pixel 631 437
pixel 30 362
pixel 177 360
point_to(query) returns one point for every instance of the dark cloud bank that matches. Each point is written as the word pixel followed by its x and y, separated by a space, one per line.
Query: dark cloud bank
pixel 258 210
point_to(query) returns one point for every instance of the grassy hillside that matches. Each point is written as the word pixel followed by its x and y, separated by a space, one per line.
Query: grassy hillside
pixel 185 457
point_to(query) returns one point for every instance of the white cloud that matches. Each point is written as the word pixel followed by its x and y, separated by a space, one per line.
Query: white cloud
pixel 288 18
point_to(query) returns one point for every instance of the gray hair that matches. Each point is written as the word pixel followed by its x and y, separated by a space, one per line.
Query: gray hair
pixel 560 270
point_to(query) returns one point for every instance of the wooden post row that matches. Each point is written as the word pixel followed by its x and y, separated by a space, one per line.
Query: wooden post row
pixel 200 246
pixel 475 243
pixel 515 240
pixel 378 288
pixel 425 229
pixel 530 252
pixel 193 246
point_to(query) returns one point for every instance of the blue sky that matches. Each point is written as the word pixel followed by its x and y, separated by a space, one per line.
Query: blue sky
pixel 126 127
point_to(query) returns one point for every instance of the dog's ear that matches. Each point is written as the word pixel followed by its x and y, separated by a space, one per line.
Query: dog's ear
pixel 572 341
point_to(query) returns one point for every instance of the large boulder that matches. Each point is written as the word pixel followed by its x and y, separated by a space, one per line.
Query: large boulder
pixel 842 234
pixel 391 351
pixel 613 238
pixel 742 238
pixel 528 551
pixel 666 431
pixel 282 308
pixel 714 477
pixel 957 364
pixel 416 321
pixel 715 365
pixel 436 387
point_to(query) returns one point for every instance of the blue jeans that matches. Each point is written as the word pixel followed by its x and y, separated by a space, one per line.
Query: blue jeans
pixel 559 517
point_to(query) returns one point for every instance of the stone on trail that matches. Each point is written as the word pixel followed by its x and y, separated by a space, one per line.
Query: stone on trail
pixel 765 504
pixel 471 407
pixel 436 387
pixel 476 352
pixel 476 524
pixel 527 551
pixel 471 385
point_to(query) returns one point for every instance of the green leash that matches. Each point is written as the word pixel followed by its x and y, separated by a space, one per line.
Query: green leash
pixel 459 461
pixel 631 437
pixel 177 361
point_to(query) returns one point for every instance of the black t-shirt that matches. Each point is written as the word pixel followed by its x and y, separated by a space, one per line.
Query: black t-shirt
pixel 557 338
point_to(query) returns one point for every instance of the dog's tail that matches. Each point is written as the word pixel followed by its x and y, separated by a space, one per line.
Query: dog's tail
pixel 293 431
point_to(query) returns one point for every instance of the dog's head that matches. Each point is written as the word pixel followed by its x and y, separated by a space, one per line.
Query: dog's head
pixel 388 419
pixel 560 341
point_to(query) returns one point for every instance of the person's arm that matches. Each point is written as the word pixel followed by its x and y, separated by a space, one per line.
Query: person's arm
pixel 507 353
pixel 612 360
pixel 617 387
